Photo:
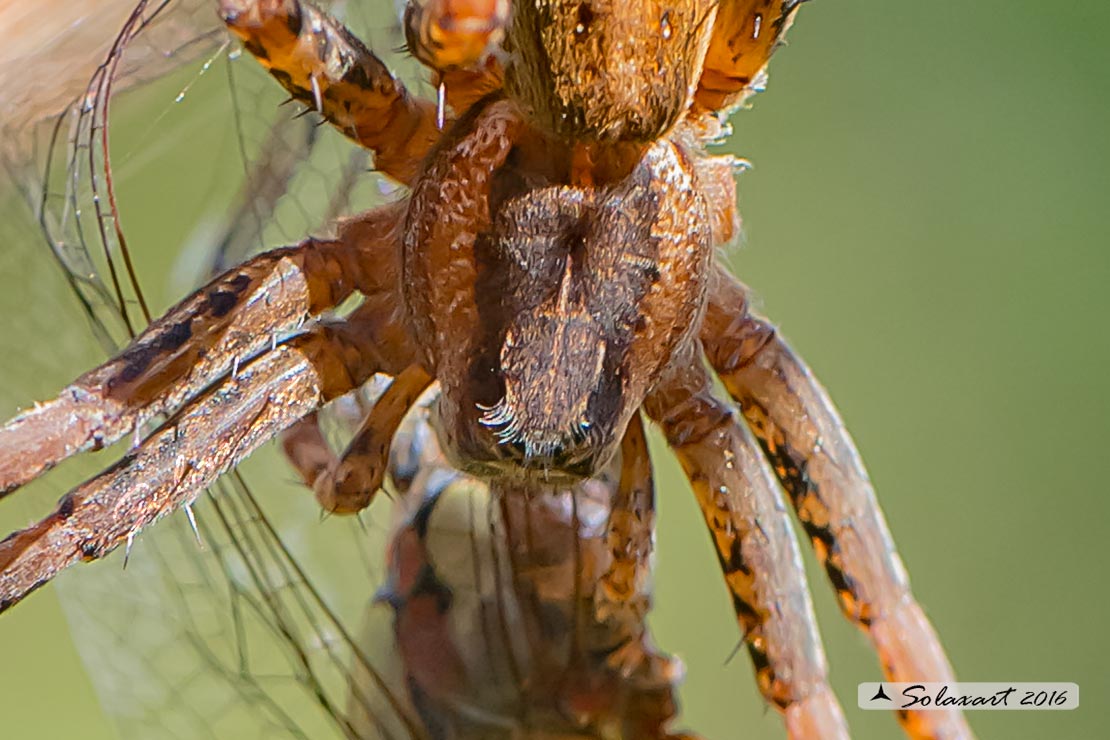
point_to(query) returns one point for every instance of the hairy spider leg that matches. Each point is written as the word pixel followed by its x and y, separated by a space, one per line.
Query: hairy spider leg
pixel 233 318
pixel 458 40
pixel 347 483
pixel 211 434
pixel 206 353
pixel 623 592
pixel 814 457
pixel 745 35
pixel 325 66
pixel 756 547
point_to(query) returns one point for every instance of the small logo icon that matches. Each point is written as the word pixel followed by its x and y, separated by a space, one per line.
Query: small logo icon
pixel 880 694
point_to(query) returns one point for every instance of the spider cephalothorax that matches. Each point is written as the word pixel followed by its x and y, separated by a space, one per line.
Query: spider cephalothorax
pixel 562 305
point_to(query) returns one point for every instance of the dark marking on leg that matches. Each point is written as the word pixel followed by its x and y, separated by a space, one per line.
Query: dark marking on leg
pixel 65 508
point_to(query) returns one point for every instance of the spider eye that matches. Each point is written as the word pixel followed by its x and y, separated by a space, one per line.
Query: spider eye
pixel 585 17
pixel 665 29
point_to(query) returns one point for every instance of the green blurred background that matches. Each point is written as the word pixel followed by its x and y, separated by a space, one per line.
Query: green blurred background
pixel 927 222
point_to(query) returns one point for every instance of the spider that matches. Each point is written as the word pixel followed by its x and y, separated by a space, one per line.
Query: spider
pixel 551 273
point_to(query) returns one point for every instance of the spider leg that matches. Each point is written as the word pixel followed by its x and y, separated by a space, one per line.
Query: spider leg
pixel 758 552
pixel 622 591
pixel 236 316
pixel 346 484
pixel 324 66
pixel 458 40
pixel 462 88
pixel 745 34
pixel 381 324
pixel 817 462
pixel 208 436
pixel 622 595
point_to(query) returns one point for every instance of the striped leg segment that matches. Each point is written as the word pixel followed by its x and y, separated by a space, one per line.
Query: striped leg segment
pixel 817 462
pixel 346 484
pixel 211 434
pixel 230 320
pixel 325 66
pixel 455 34
pixel 224 324
pixel 624 589
pixel 745 34
pixel 758 553
pixel 458 40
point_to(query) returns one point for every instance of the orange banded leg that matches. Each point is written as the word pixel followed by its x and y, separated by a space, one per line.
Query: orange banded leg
pixel 346 484
pixel 756 547
pixel 817 462
pixel 322 64
pixel 454 34
pixel 745 34
pixel 380 324
pixel 233 318
pixel 462 88
pixel 237 315
pixel 457 39
pixel 622 591
pixel 211 434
